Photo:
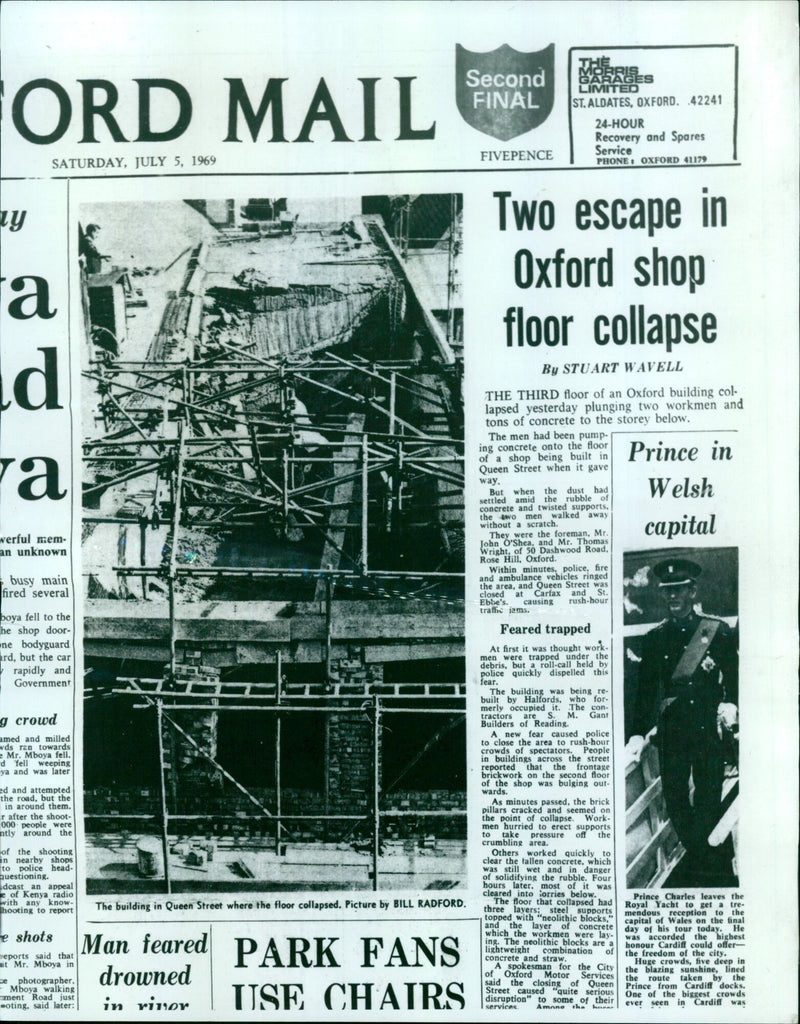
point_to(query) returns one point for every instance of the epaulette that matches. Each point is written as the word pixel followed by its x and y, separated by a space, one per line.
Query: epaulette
pixel 715 618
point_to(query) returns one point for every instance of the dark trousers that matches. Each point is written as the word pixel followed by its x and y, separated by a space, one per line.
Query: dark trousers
pixel 691 752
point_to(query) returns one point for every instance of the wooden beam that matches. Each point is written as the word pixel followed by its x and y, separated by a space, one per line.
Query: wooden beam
pixel 437 335
pixel 341 499
pixel 221 655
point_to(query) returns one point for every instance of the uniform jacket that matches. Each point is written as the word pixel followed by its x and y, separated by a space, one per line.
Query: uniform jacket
pixel 715 679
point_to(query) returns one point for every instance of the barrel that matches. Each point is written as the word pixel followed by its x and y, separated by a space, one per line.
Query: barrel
pixel 149 856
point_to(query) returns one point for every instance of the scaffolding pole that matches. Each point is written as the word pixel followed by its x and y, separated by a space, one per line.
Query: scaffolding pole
pixel 365 503
pixel 278 669
pixel 164 812
pixel 452 252
pixel 376 791
pixel 173 556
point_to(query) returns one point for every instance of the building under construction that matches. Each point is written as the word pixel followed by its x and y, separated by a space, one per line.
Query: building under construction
pixel 273 545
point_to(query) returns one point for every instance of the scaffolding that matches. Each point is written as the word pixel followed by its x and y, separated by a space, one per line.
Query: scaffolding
pixel 350 471
pixel 168 698
pixel 213 465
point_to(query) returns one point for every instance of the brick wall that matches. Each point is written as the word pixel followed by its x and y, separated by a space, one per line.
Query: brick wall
pixel 195 786
pixel 190 777
pixel 350 763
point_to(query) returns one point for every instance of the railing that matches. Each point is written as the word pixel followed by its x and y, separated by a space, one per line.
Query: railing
pixel 653 849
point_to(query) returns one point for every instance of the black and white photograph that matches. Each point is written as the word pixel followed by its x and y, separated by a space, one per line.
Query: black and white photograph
pixel 399 522
pixel 681 651
pixel 273 544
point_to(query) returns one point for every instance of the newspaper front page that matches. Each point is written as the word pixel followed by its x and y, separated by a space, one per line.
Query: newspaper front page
pixel 398 525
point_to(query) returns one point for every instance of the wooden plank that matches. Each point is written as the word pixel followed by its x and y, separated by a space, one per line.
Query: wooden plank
pixel 209 630
pixel 252 630
pixel 108 608
pixel 647 851
pixel 411 278
pixel 643 802
pixel 305 653
pixel 379 627
pixel 405 651
pixel 342 499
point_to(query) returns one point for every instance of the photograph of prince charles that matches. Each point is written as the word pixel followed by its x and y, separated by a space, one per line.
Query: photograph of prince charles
pixel 681 662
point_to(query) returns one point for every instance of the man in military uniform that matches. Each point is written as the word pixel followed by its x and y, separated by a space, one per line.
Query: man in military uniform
pixel 687 699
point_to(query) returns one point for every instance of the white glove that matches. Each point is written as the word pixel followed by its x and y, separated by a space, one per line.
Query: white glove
pixel 634 747
pixel 727 718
